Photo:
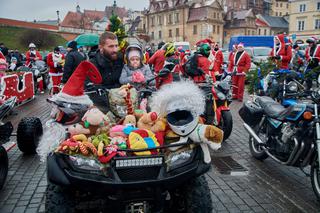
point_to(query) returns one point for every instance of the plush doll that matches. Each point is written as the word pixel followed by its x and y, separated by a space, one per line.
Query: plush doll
pixel 182 103
pixel 130 120
pixel 76 129
pixel 95 121
pixel 142 139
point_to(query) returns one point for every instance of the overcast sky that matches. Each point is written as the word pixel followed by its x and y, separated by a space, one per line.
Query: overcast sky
pixel 46 9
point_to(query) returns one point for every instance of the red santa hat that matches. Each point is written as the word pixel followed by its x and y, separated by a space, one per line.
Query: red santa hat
pixel 73 90
pixel 204 41
pixel 240 45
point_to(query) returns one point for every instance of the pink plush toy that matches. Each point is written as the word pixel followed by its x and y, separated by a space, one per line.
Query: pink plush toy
pixel 117 130
pixel 138 77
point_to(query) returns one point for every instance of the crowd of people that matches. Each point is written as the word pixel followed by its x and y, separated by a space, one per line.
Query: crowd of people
pixel 139 64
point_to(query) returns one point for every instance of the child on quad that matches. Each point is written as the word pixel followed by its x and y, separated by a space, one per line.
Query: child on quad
pixel 135 71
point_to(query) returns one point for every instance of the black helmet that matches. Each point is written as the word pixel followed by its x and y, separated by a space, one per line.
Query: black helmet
pixel 161 44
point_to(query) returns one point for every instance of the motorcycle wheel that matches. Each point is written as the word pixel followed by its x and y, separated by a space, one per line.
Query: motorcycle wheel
pixel 28 134
pixel 226 124
pixel 256 151
pixel 315 178
pixel 3 166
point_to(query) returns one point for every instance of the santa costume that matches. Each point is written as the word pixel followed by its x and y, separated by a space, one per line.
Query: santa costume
pixel 314 51
pixel 217 59
pixel 239 65
pixel 281 52
pixel 55 60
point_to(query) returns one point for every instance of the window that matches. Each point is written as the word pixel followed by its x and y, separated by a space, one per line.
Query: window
pixel 302 8
pixel 218 29
pixel 218 15
pixel 170 33
pixel 277 4
pixel 259 31
pixel 214 14
pixel 265 31
pixel 160 34
pixel 170 19
pixel 318 6
pixel 276 13
pixel 300 25
pixel 144 26
pixel 195 30
pixel 214 28
pixel 152 35
pixel 248 32
pixel 159 20
pixel 287 6
pixel 317 24
pixel 280 4
pixel 253 33
pixel 177 32
pixel 280 14
pixel 152 21
pixel 176 18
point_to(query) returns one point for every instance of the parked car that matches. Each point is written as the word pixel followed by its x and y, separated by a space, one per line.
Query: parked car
pixel 185 45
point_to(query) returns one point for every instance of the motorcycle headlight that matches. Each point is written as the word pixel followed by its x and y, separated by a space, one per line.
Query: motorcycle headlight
pixel 292 86
pixel 175 160
pixel 221 96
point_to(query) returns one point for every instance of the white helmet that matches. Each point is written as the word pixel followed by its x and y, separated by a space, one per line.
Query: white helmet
pixel 32 45
pixel 182 122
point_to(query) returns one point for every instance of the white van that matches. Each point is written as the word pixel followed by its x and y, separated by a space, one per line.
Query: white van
pixel 184 44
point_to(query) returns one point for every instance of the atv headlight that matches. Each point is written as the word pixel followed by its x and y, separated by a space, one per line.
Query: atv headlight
pixel 178 159
pixel 85 164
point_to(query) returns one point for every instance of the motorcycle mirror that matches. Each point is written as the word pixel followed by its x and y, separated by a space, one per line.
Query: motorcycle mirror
pixel 164 72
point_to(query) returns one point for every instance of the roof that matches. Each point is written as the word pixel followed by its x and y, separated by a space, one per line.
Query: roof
pixel 243 14
pixel 261 23
pixel 49 22
pixel 120 11
pixel 25 24
pixel 134 25
pixel 94 14
pixel 275 21
pixel 82 20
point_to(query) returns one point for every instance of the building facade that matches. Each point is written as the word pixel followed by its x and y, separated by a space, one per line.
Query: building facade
pixel 183 20
pixel 280 8
pixel 304 18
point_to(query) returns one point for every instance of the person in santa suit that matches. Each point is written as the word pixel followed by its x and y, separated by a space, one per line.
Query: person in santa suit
pixel 32 54
pixel 281 53
pixel 312 58
pixel 55 61
pixel 239 65
pixel 217 59
pixel 231 54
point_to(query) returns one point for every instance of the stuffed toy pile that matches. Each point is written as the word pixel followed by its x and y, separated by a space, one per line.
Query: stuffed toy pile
pixel 101 137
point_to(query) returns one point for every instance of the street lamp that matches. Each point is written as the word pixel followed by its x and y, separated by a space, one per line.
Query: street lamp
pixel 58 17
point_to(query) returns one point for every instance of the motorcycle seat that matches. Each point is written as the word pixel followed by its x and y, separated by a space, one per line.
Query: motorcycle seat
pixel 271 108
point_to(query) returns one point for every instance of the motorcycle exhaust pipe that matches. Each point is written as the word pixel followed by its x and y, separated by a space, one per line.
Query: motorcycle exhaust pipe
pixel 252 133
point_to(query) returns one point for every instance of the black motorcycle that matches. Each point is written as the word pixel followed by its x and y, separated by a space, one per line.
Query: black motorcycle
pixel 290 136
pixel 28 135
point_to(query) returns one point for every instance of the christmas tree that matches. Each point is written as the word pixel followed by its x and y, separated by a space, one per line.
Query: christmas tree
pixel 116 26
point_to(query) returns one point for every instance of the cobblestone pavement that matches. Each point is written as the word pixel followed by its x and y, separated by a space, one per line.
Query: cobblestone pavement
pixel 265 187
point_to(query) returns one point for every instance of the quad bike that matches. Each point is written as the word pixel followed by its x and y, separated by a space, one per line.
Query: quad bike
pixel 161 182
pixel 28 135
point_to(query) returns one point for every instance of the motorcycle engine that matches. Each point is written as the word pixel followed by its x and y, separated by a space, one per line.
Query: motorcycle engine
pixel 283 142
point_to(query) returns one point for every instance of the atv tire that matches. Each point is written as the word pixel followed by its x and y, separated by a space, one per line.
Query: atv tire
pixel 59 200
pixel 28 134
pixel 3 166
pixel 194 197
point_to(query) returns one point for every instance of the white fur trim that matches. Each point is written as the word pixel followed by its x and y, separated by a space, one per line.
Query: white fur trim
pixel 186 95
pixel 83 99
